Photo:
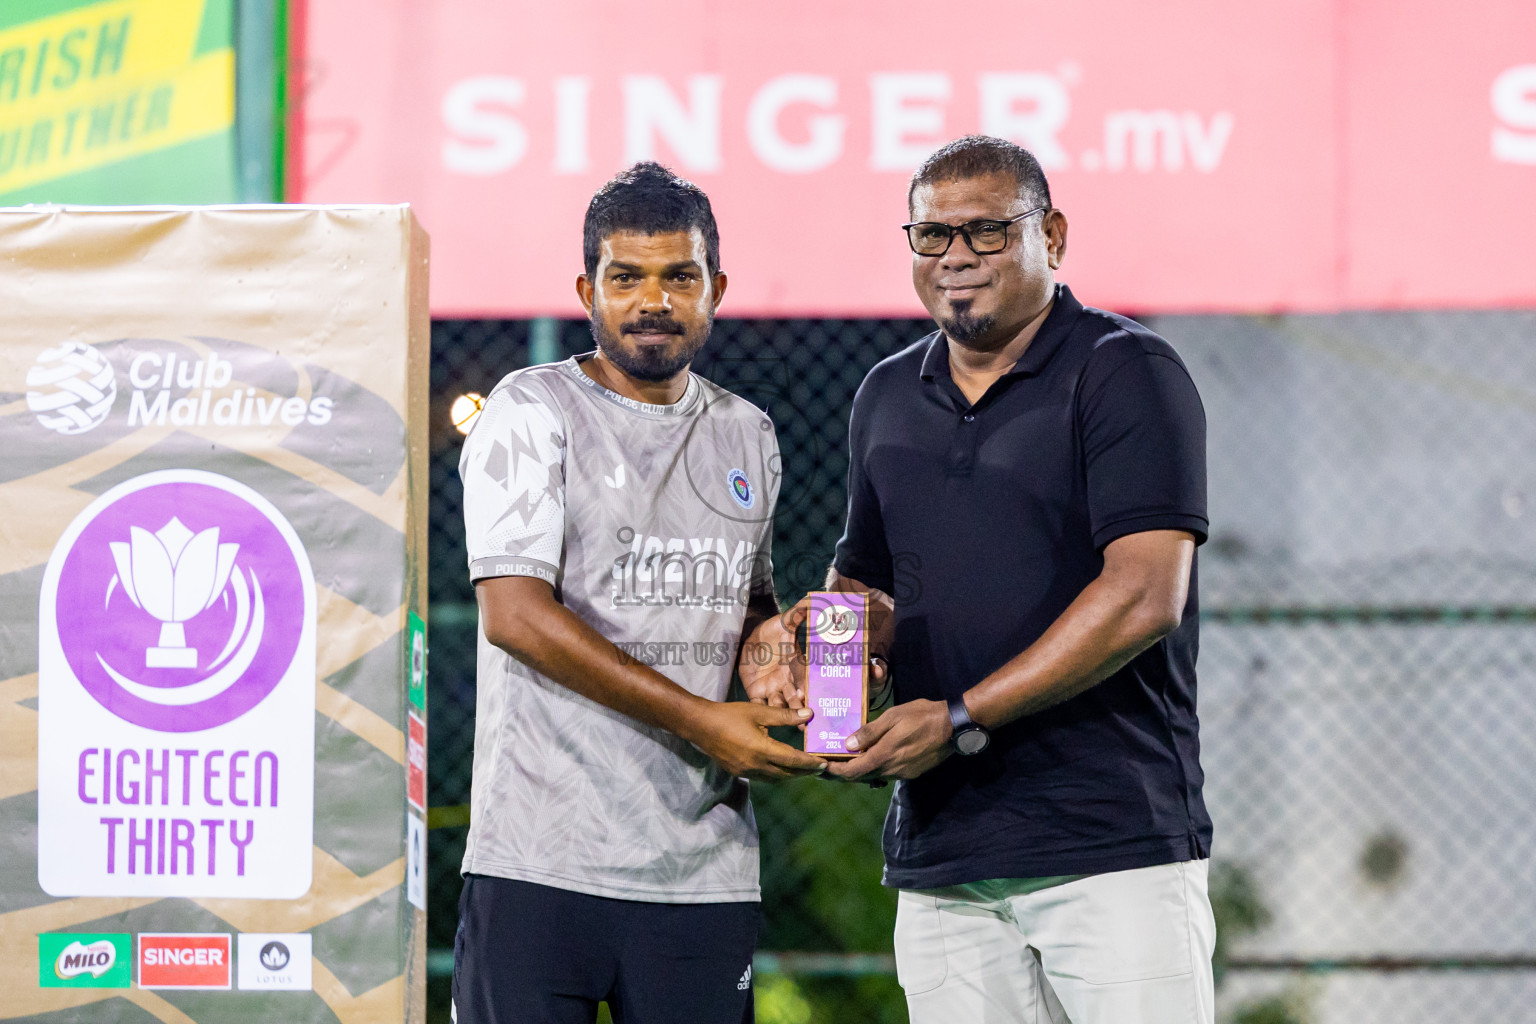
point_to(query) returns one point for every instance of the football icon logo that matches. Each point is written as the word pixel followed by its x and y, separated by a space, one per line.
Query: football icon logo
pixel 71 388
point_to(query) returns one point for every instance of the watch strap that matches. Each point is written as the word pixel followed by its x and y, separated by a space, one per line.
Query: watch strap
pixel 960 715
pixel 967 736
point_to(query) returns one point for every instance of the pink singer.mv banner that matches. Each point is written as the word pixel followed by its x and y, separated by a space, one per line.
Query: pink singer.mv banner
pixel 1273 155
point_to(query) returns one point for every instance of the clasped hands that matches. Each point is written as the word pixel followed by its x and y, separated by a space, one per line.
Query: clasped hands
pixel 903 743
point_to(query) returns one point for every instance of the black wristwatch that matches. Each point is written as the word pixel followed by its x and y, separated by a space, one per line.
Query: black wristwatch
pixel 968 737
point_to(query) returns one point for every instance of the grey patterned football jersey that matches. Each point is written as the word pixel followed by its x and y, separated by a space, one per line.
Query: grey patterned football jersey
pixel 653 524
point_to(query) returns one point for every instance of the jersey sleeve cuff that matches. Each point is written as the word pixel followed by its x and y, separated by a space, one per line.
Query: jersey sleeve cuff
pixel 511 565
pixel 1110 532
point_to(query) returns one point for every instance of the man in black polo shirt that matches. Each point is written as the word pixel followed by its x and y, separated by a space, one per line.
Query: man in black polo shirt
pixel 1026 490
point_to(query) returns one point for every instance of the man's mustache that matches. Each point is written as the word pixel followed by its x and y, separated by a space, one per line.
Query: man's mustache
pixel 652 325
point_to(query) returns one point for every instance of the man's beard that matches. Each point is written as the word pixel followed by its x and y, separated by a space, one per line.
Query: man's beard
pixel 651 363
pixel 966 328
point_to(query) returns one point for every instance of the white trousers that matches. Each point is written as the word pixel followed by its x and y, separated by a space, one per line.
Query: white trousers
pixel 1124 947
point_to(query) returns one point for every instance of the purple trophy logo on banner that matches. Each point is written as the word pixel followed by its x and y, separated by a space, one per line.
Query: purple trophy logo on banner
pixel 180 606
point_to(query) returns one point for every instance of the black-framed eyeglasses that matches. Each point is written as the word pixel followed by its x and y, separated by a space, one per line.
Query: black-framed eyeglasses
pixel 985 237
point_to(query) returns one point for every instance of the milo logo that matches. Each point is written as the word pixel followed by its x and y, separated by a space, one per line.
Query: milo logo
pixel 96 959
pixel 84 961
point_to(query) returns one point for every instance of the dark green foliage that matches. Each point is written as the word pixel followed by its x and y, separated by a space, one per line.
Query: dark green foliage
pixel 821 866
pixel 1238 907
pixel 1286 1008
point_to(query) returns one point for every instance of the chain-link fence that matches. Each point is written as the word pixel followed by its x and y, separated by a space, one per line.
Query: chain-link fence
pixel 1367 673
pixel 1368 662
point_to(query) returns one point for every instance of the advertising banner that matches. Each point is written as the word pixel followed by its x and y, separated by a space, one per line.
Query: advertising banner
pixel 1209 156
pixel 117 101
pixel 212 583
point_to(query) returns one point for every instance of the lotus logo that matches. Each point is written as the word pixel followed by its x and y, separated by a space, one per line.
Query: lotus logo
pixel 77 958
pixel 179 600
pixel 176 575
pixel 274 956
pixel 173 574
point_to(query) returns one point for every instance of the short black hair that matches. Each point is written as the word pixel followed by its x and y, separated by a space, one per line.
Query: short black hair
pixel 971 156
pixel 650 199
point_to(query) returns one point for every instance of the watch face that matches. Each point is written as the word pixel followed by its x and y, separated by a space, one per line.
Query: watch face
pixel 972 741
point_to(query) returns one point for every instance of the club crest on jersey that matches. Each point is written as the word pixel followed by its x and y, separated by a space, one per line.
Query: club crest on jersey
pixel 741 489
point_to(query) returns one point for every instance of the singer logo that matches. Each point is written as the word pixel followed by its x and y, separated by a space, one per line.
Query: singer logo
pixel 185 961
pixel 416 762
pixel 1514 107
pixel 489 130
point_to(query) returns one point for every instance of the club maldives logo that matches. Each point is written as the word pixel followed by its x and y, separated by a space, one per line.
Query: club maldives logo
pixel 180 603
pixel 71 388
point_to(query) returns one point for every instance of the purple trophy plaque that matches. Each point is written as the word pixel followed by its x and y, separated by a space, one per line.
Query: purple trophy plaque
pixel 837 672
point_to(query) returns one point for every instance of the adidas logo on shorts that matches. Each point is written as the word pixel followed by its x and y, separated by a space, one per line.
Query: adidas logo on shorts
pixel 746 980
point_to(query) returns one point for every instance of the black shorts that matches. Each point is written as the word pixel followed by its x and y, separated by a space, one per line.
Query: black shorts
pixel 534 954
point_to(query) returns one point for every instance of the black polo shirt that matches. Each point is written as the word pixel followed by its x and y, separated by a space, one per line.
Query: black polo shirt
pixel 984 522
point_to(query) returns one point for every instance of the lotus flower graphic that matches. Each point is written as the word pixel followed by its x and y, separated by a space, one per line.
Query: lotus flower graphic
pixel 173 574
pixel 274 956
pixel 176 575
pixel 180 600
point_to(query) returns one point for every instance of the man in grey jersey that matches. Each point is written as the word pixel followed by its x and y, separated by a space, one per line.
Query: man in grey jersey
pixel 619 512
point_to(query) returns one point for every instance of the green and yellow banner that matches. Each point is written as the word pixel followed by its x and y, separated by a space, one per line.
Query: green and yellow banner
pixel 120 101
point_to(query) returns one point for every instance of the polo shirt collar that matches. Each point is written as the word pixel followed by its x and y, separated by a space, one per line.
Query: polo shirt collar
pixel 1058 324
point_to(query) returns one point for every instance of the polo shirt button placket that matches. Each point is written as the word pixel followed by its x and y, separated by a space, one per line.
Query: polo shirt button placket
pixel 962 454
